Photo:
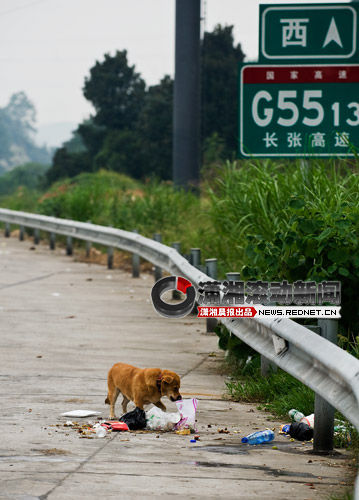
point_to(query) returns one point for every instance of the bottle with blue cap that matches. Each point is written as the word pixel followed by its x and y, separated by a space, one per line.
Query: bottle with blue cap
pixel 259 437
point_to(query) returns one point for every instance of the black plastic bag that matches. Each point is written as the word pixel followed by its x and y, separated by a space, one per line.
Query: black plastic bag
pixel 135 419
pixel 301 431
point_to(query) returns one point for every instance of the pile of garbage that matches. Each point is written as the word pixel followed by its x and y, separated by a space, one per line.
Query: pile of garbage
pixel 183 421
pixel 302 428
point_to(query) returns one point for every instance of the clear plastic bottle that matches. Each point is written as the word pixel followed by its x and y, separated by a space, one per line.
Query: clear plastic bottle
pixel 296 415
pixel 259 437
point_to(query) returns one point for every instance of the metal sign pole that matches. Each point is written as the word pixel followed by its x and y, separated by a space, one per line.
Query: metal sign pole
pixel 186 104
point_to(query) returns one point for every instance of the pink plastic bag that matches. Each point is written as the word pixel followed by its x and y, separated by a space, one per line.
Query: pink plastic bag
pixel 187 409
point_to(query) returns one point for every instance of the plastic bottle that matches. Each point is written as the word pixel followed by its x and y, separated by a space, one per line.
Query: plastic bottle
pixel 259 437
pixel 309 420
pixel 296 415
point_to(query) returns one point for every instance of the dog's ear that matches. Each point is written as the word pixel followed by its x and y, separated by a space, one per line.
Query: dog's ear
pixel 168 379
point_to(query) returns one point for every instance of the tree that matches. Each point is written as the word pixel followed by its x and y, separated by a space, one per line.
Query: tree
pixel 122 151
pixel 155 129
pixel 116 92
pixel 65 164
pixel 220 58
pixel 17 125
pixel 131 131
pixel 29 175
pixel 22 113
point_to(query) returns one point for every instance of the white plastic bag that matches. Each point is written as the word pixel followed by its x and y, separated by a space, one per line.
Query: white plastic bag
pixel 158 420
pixel 187 409
pixel 101 431
pixel 81 413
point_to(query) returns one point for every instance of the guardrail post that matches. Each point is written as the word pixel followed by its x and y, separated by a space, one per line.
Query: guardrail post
pixel 88 245
pixel 212 271
pixel 176 295
pixel 88 249
pixel 110 258
pixel 52 241
pixel 211 268
pixel 267 366
pixel 21 233
pixel 7 230
pixel 36 236
pixel 234 276
pixel 135 262
pixel 158 270
pixel 323 411
pixel 195 256
pixel 69 245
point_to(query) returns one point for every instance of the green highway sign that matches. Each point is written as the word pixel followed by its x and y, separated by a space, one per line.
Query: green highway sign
pixel 301 33
pixel 299 110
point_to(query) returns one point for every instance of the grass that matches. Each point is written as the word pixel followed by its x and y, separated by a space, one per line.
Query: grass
pixel 278 393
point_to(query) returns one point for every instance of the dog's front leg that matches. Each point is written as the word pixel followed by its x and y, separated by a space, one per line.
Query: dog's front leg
pixel 160 405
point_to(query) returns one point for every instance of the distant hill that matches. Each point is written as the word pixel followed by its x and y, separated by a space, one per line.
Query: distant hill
pixel 54 134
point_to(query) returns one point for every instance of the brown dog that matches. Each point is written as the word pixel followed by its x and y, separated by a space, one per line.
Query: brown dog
pixel 142 386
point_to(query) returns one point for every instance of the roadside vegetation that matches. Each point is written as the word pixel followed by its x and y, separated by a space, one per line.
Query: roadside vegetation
pixel 268 220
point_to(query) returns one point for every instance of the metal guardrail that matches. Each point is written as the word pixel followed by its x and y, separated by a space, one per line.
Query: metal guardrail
pixel 321 365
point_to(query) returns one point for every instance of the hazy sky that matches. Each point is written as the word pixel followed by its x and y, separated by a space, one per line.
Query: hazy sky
pixel 48 46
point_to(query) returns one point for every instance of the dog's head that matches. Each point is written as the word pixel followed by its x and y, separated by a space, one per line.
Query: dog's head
pixel 170 385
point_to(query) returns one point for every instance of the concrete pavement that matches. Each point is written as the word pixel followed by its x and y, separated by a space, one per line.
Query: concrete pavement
pixel 62 326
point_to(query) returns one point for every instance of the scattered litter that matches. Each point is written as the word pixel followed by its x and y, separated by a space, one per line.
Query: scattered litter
pixel 158 420
pixel 342 432
pixel 300 431
pixel 135 419
pixel 259 437
pixel 295 415
pixel 39 356
pixel 81 413
pixel 274 447
pixel 223 431
pixel 196 437
pixel 193 441
pixel 284 429
pixel 183 432
pixel 115 426
pixel 101 431
pixel 309 420
pixel 55 294
pixel 187 409
pixel 70 317
pixel 68 423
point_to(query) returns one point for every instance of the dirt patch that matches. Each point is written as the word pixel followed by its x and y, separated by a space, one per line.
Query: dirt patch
pixel 53 451
pixel 121 260
pixel 76 400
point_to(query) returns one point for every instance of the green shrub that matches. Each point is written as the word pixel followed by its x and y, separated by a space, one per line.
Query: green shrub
pixel 291 221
